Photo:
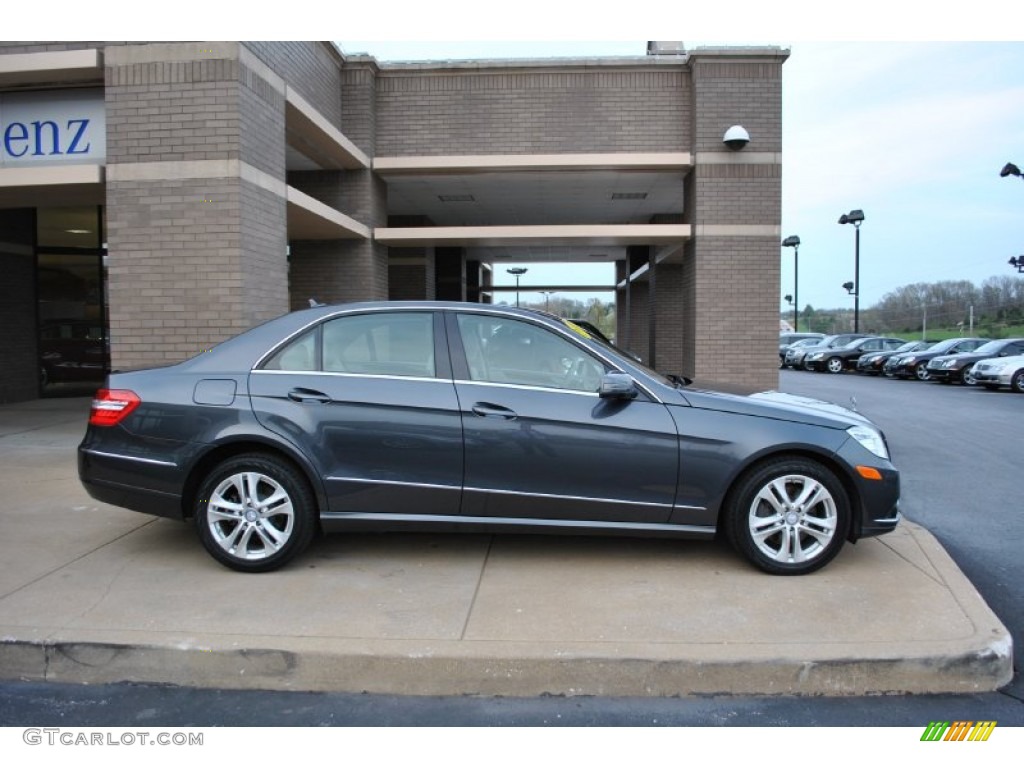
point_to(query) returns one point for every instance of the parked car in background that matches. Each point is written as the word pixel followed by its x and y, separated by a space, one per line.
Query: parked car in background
pixel 795 356
pixel 845 358
pixel 915 364
pixel 957 367
pixel 873 363
pixel 797 344
pixel 785 339
pixel 1000 372
pixel 446 415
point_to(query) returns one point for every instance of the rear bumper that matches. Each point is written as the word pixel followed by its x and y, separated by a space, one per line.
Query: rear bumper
pixel 108 478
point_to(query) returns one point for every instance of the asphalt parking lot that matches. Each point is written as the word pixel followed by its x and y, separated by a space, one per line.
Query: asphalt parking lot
pixel 959 452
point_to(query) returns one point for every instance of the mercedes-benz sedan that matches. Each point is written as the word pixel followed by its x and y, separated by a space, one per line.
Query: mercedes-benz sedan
pixel 474 417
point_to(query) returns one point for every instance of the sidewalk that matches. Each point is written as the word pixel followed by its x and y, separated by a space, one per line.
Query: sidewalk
pixel 92 593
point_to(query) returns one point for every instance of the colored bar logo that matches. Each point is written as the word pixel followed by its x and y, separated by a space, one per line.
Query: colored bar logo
pixel 960 730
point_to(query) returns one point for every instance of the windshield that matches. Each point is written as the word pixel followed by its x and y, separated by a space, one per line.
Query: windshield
pixel 942 346
pixel 911 345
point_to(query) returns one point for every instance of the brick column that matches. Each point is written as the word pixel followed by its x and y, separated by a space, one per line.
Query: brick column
pixel 730 276
pixel 196 212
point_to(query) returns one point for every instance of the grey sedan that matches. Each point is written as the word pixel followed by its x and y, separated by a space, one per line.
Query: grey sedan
pixel 398 415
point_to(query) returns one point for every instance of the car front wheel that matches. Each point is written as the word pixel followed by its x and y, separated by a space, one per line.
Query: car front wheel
pixel 1017 382
pixel 788 517
pixel 835 365
pixel 966 378
pixel 254 513
pixel 921 371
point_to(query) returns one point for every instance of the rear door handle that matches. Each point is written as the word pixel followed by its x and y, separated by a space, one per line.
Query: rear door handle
pixel 494 411
pixel 300 395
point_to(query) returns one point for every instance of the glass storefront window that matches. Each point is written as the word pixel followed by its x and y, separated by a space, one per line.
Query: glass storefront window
pixel 74 350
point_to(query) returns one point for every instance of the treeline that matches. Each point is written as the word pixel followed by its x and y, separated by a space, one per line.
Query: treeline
pixel 600 313
pixel 994 306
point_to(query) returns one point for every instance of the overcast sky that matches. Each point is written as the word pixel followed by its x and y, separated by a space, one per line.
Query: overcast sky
pixel 914 134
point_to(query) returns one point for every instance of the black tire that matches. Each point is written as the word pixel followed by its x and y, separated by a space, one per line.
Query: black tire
pixel 834 365
pixel 255 512
pixel 820 528
pixel 921 372
pixel 1017 382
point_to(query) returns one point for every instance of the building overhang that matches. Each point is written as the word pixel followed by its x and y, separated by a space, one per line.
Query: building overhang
pixel 52 185
pixel 51 68
pixel 309 219
pixel 513 236
pixel 619 161
pixel 312 134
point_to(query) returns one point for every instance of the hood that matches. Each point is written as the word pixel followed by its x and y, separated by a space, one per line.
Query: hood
pixel 779 405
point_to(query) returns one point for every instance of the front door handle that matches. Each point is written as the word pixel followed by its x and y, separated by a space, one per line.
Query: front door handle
pixel 301 395
pixel 494 411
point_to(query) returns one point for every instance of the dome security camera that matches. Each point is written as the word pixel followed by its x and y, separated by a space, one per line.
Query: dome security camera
pixel 736 137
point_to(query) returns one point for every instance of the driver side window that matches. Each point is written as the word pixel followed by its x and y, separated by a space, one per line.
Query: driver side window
pixel 504 351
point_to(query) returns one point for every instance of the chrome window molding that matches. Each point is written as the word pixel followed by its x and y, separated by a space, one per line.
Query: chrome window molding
pixel 344 374
pixel 528 387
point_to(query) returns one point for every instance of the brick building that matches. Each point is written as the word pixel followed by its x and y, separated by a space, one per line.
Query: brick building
pixel 164 196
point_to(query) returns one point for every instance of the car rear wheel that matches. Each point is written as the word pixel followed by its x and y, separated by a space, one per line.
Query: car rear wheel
pixel 254 513
pixel 834 365
pixel 1017 382
pixel 788 517
pixel 921 371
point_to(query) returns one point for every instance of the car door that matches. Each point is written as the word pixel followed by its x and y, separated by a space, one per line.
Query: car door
pixel 368 397
pixel 540 443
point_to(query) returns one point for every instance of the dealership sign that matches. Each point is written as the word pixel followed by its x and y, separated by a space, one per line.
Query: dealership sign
pixel 52 128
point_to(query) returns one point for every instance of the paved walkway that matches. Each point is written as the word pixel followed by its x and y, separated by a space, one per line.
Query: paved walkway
pixel 92 593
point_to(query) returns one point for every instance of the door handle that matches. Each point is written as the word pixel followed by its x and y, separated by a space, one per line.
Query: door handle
pixel 300 395
pixel 489 409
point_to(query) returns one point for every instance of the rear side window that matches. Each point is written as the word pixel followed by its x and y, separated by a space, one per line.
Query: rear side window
pixel 381 343
pixel 299 355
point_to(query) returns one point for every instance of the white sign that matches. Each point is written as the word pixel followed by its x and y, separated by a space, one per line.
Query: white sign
pixel 53 128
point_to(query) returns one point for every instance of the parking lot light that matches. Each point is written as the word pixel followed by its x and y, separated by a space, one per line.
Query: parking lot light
pixel 855 217
pixel 793 241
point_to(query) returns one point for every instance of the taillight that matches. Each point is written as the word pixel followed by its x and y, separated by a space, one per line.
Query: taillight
pixel 110 406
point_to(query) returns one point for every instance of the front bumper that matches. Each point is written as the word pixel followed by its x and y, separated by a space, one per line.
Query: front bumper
pixel 944 374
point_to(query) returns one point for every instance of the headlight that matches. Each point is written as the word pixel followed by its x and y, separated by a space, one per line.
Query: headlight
pixel 870 439
pixel 816 356
pixel 951 364
pixel 908 360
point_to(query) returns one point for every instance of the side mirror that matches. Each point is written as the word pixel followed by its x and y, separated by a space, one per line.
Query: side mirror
pixel 617 386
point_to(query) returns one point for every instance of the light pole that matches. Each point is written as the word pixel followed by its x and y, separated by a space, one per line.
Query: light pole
pixel 794 242
pixel 518 272
pixel 855 217
pixel 547 300
pixel 1018 262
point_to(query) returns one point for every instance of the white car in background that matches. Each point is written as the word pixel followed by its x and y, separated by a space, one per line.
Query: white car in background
pixel 997 372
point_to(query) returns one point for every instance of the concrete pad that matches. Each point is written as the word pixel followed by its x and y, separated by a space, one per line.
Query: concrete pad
pixel 91 593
